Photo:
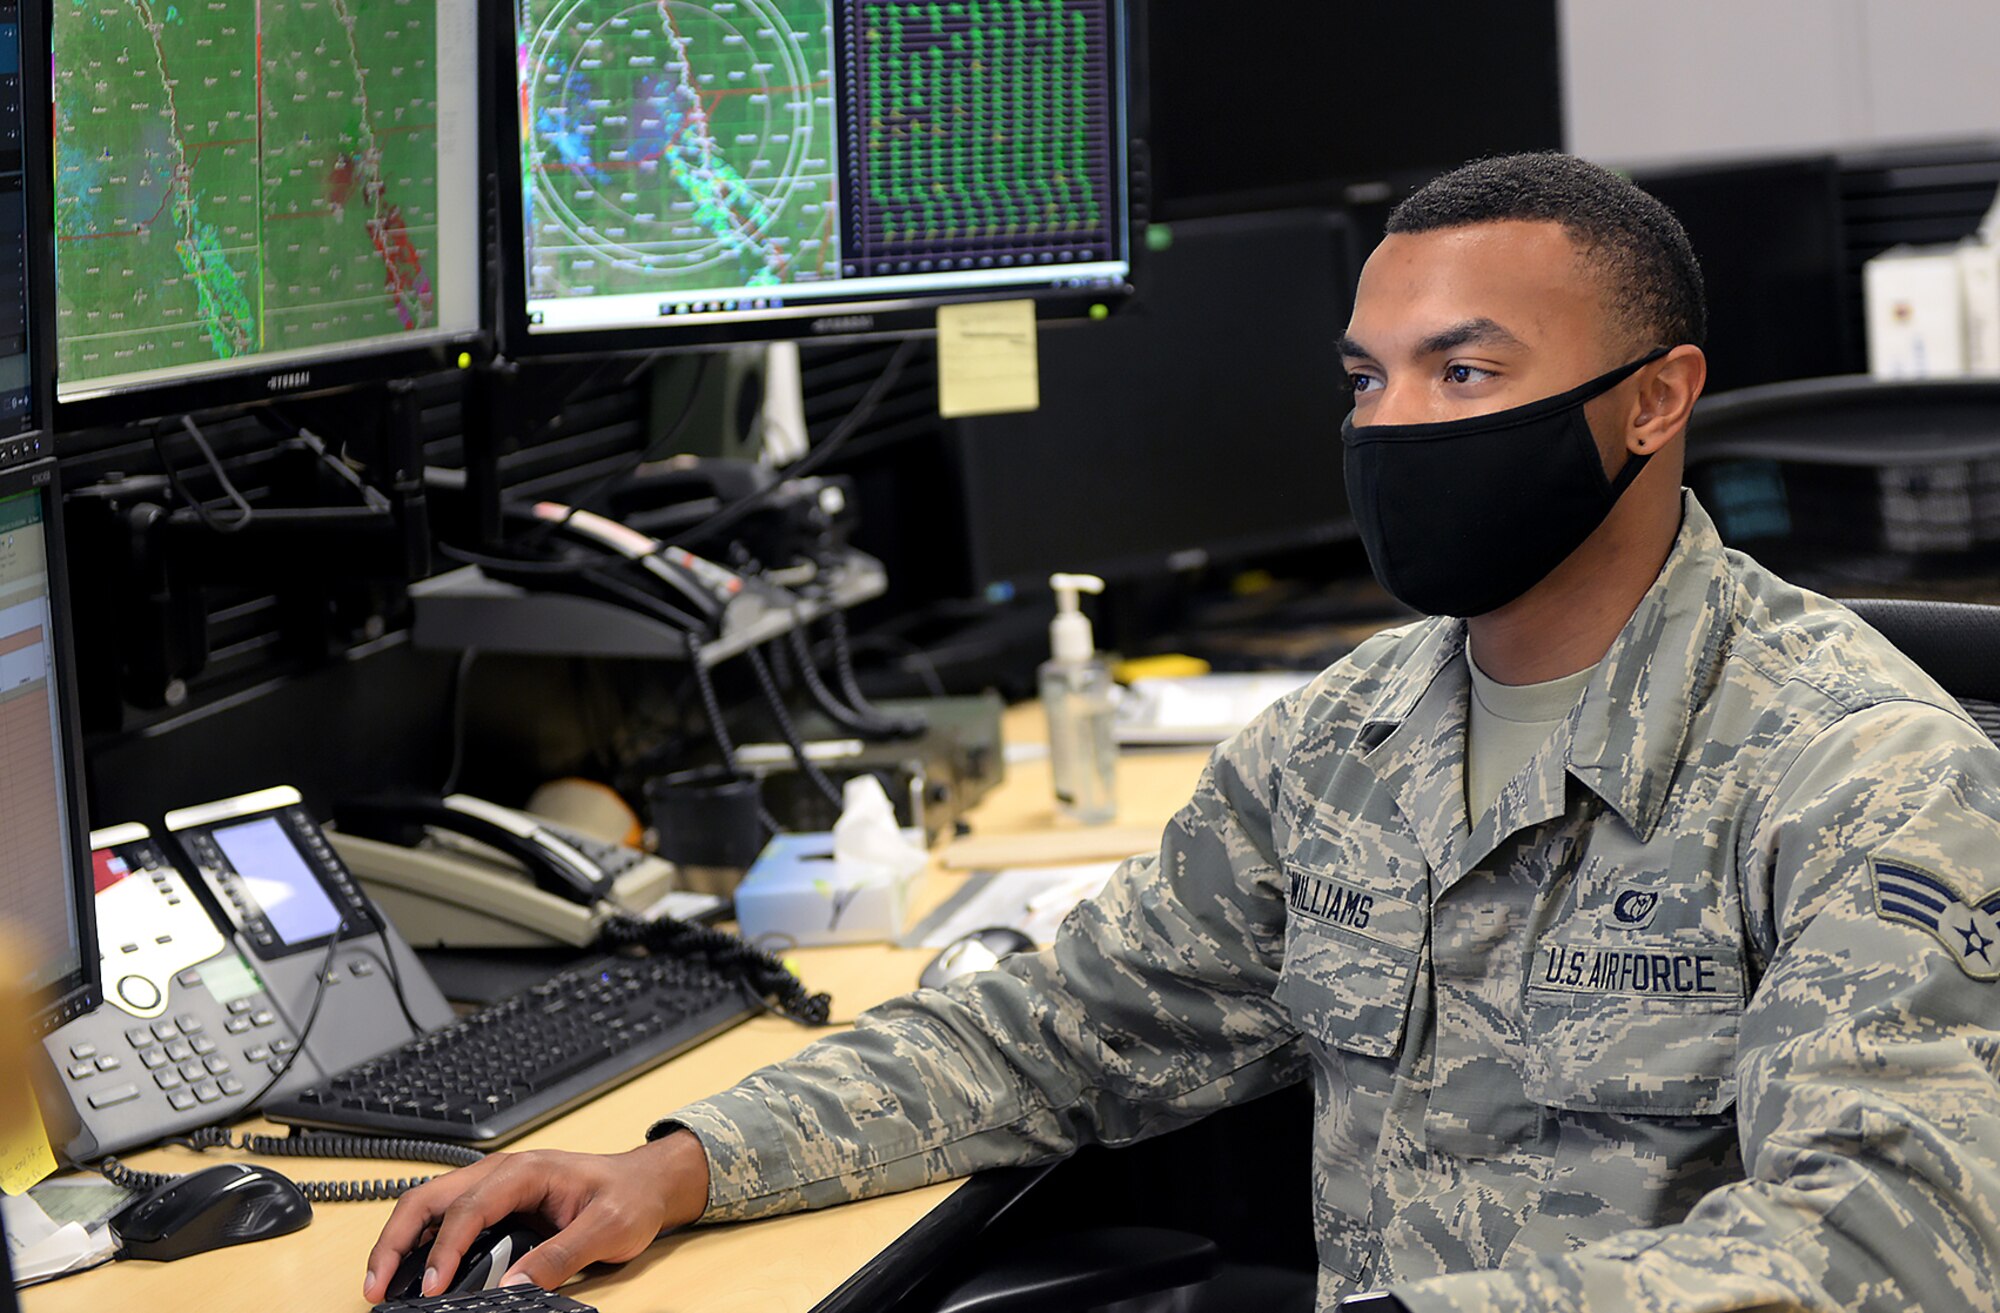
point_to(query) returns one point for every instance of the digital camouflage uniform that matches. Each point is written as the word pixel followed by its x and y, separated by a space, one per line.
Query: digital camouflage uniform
pixel 1701 1016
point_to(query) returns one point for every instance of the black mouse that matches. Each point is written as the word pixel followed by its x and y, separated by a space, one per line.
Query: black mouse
pixel 976 952
pixel 228 1204
pixel 486 1260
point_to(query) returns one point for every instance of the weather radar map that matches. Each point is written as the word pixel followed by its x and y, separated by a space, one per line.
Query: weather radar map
pixel 236 177
pixel 672 146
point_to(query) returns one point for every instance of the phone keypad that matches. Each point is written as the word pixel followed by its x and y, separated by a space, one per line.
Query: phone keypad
pixel 189 1062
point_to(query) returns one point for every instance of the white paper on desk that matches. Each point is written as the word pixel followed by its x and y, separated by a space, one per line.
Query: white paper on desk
pixel 1033 900
pixel 39 1249
pixel 1199 708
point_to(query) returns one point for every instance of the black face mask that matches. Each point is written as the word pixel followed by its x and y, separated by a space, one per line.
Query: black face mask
pixel 1462 517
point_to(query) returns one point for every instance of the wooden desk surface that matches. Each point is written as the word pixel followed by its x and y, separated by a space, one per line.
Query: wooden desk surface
pixel 782 1265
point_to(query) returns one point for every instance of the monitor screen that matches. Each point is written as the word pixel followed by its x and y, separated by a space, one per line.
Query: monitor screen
pixel 736 169
pixel 45 874
pixel 269 192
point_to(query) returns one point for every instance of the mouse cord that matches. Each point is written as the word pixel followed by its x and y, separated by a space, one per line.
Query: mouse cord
pixel 302 1144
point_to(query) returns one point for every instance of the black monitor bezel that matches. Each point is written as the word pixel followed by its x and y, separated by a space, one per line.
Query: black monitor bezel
pixel 38 223
pixel 862 320
pixel 81 990
pixel 267 381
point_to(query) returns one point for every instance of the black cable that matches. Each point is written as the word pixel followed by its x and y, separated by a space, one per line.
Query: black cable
pixel 915 659
pixel 459 697
pixel 309 1144
pixel 711 707
pixel 818 456
pixel 760 972
pixel 396 984
pixel 279 1070
pixel 850 684
pixel 541 531
pixel 789 730
pixel 244 512
pixel 840 713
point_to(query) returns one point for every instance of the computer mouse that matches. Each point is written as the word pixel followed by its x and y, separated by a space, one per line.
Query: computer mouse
pixel 486 1260
pixel 976 952
pixel 228 1204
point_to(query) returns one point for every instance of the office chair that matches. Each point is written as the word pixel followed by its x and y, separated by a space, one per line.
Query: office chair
pixel 1957 644
pixel 1843 479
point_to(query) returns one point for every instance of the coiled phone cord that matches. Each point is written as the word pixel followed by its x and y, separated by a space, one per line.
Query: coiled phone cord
pixel 789 730
pixel 711 706
pixel 304 1144
pixel 907 724
pixel 869 725
pixel 762 972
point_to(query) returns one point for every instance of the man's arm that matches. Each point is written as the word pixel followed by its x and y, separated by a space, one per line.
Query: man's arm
pixel 1869 1065
pixel 1152 1009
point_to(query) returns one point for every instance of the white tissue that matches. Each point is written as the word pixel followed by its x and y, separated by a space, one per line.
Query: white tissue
pixel 868 847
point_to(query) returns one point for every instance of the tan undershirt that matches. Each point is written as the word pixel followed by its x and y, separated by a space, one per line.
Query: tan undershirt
pixel 1508 724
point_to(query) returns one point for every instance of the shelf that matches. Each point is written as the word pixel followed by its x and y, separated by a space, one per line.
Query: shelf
pixel 468 609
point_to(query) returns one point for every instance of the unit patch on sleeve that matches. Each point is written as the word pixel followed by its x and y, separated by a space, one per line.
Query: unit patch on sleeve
pixel 1968 931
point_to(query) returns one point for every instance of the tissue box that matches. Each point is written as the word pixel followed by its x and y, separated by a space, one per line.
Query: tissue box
pixel 796 895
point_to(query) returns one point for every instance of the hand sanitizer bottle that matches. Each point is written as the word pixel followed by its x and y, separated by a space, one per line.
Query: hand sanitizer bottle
pixel 1076 694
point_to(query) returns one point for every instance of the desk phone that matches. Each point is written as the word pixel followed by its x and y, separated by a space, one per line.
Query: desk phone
pixel 210 978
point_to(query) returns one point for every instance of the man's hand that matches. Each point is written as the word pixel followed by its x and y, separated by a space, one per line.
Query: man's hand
pixel 605 1208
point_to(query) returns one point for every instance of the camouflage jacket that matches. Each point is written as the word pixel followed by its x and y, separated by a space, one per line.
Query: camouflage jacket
pixel 1701 1016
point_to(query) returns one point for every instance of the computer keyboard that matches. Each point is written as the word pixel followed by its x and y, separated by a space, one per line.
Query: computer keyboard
pixel 507 1299
pixel 510 1066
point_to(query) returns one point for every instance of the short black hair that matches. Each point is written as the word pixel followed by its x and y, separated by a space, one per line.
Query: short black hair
pixel 1652 279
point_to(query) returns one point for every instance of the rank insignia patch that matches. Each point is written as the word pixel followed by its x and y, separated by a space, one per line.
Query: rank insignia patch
pixel 1969 931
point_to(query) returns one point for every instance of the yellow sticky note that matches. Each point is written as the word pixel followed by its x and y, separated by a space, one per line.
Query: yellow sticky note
pixel 986 358
pixel 25 1155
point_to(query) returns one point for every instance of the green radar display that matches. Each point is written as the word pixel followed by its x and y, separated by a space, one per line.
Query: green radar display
pixel 672 146
pixel 237 177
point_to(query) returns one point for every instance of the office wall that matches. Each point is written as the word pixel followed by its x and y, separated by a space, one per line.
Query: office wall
pixel 1707 79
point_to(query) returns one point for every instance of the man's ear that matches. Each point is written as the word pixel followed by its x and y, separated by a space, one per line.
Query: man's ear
pixel 1668 389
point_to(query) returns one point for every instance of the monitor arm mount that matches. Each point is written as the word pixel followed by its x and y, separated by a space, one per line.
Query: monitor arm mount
pixel 335 543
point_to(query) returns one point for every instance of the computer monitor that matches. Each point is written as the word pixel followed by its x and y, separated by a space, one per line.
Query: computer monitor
pixel 683 173
pixel 1283 106
pixel 46 884
pixel 256 199
pixel 1205 428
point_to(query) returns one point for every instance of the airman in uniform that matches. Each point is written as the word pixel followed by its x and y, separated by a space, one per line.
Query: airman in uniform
pixel 1637 934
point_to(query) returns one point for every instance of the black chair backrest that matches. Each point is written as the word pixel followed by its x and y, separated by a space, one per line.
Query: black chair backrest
pixel 1957 644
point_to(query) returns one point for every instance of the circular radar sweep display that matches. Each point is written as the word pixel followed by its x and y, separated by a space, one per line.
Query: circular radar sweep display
pixel 672 145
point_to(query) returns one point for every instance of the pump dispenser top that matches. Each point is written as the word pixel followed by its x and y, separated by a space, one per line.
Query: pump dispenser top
pixel 1070 638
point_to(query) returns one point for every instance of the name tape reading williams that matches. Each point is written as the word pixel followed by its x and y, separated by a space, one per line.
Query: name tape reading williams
pixel 1330 901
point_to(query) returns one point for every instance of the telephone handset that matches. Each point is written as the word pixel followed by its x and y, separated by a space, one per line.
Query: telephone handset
pixel 264 971
pixel 703 584
pixel 461 872
pixel 552 860
pixel 564 549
